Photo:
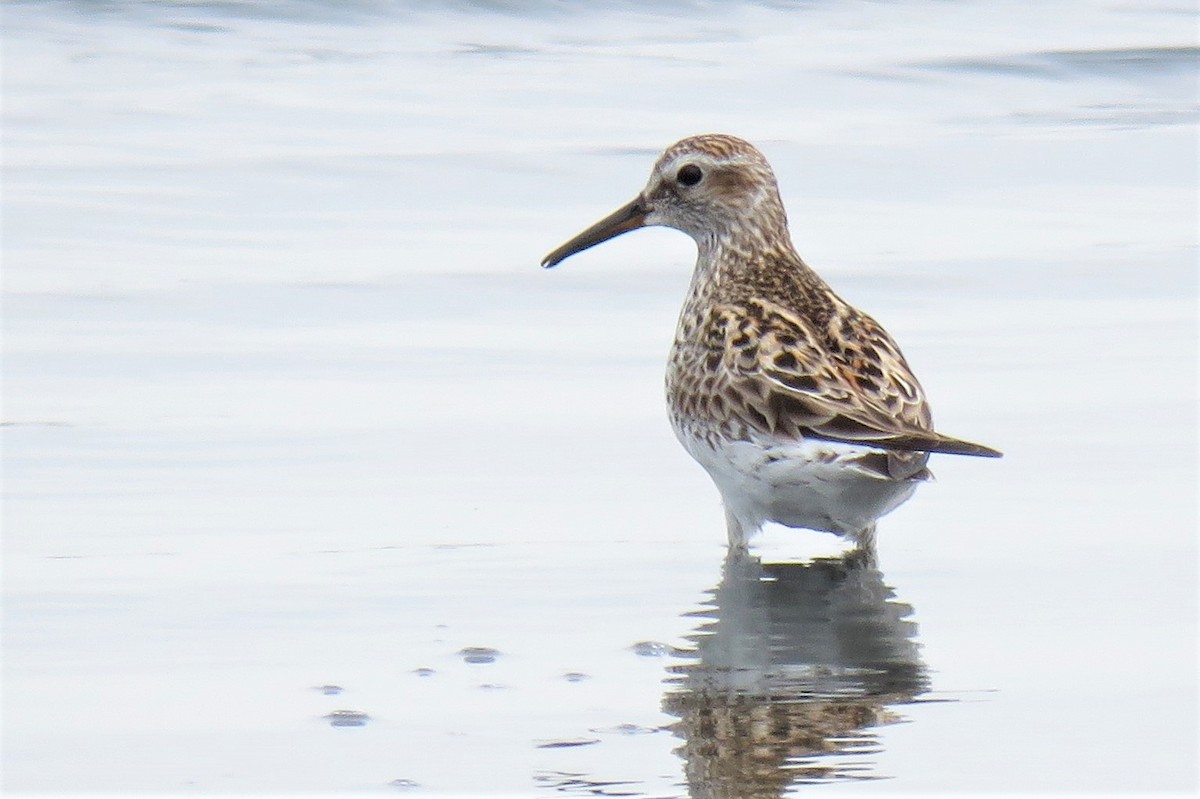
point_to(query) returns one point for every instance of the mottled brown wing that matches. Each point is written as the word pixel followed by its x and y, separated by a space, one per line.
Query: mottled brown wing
pixel 847 382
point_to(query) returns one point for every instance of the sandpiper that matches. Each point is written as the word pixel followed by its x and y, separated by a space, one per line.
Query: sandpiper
pixel 800 407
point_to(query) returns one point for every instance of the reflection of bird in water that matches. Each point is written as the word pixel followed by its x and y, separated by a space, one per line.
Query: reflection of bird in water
pixel 796 664
pixel 800 407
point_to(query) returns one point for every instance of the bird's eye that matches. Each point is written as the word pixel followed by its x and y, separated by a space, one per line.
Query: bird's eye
pixel 689 175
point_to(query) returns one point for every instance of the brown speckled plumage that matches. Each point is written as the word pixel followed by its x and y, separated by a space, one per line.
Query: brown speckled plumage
pixel 765 352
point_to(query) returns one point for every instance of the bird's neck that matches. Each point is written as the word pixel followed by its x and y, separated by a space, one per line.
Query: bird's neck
pixel 734 267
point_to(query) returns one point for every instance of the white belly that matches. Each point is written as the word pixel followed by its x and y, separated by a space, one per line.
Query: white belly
pixel 812 483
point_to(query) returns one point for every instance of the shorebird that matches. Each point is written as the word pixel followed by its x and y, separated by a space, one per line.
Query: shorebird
pixel 800 407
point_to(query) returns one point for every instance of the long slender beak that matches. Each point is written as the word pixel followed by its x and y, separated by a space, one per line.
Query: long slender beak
pixel 624 219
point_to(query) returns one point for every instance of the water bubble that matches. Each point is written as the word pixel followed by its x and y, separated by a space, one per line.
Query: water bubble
pixel 650 649
pixel 404 785
pixel 576 676
pixel 479 654
pixel 347 718
pixel 625 729
pixel 424 672
pixel 567 743
pixel 329 690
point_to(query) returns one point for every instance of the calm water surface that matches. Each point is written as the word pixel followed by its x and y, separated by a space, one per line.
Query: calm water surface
pixel 314 482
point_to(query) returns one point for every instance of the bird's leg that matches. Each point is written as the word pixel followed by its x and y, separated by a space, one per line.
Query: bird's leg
pixel 863 552
pixel 738 535
pixel 740 566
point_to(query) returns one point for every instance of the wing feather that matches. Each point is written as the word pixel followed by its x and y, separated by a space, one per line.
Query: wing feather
pixel 847 382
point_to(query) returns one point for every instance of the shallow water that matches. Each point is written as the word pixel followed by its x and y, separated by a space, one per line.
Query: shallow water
pixel 315 482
